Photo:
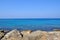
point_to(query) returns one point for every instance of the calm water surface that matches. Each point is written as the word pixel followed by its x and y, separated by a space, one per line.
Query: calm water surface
pixel 30 24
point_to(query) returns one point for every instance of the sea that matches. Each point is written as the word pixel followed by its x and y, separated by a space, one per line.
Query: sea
pixel 46 24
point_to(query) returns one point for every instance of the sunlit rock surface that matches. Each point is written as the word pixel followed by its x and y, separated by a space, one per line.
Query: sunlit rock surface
pixel 26 32
pixel 29 35
pixel 54 35
pixel 12 35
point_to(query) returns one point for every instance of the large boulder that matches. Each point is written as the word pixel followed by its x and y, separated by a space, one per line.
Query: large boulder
pixel 12 35
pixel 36 35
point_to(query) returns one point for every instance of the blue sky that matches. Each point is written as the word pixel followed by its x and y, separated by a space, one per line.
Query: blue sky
pixel 29 8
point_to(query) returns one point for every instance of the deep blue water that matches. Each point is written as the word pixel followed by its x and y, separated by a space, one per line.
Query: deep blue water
pixel 30 24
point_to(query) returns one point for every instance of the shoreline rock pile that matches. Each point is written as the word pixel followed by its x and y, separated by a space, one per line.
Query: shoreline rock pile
pixel 29 35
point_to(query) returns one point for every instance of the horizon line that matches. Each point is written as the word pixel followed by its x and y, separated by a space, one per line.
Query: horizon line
pixel 29 18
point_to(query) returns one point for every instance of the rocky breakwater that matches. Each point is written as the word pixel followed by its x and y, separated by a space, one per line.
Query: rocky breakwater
pixel 29 35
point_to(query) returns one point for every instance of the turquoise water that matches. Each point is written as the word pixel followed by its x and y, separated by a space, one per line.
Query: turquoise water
pixel 30 24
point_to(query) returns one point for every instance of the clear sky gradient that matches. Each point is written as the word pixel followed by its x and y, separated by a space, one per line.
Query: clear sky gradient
pixel 29 8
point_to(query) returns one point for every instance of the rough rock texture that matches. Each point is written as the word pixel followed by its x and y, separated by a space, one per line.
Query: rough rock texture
pixel 32 36
pixel 35 35
pixel 55 35
pixel 28 35
pixel 1 34
pixel 13 35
